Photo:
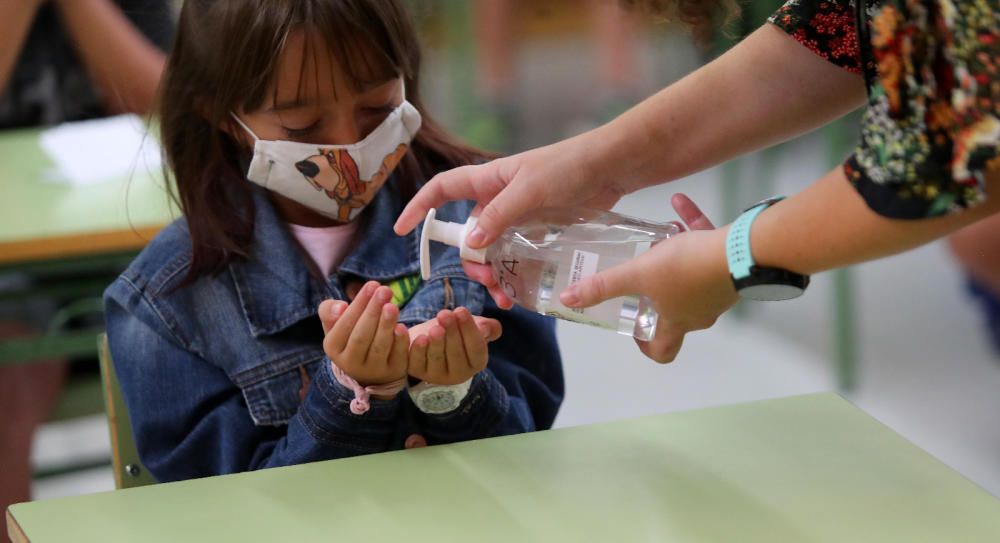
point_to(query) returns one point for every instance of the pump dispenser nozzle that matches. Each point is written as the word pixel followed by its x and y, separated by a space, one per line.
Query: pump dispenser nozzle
pixel 449 233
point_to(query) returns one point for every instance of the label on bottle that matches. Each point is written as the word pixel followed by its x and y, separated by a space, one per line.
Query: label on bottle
pixel 578 316
pixel 584 264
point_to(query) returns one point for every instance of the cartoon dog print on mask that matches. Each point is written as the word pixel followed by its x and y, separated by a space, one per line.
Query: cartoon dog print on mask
pixel 334 172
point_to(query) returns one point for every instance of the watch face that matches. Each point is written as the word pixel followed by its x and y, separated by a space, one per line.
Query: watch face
pixel 438 401
pixel 771 292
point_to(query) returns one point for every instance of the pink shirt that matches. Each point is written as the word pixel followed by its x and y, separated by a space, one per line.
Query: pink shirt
pixel 327 246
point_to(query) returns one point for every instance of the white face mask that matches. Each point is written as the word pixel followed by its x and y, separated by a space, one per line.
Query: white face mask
pixel 337 181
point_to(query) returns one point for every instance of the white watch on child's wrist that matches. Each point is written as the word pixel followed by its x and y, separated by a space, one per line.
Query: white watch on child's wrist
pixel 438 399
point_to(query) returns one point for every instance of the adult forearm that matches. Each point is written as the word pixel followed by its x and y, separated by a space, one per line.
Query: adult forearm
pixel 16 17
pixel 123 63
pixel 829 226
pixel 766 90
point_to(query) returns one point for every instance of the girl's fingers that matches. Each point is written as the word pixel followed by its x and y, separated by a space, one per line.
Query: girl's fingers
pixel 473 342
pixel 490 329
pixel 418 357
pixel 453 348
pixel 381 345
pixel 366 324
pixel 398 355
pixel 437 363
pixel 336 338
pixel 329 311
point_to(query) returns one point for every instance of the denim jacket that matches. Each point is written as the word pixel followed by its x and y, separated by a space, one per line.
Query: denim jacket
pixel 228 374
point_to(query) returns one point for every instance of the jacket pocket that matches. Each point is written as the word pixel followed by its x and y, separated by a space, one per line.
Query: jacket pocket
pixel 272 389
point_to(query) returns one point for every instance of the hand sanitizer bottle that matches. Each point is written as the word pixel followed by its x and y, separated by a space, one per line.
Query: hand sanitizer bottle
pixel 552 248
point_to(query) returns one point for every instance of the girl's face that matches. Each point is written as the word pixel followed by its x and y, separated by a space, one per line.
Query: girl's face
pixel 312 101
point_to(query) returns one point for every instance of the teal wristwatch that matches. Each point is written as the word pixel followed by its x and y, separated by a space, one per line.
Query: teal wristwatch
pixel 757 282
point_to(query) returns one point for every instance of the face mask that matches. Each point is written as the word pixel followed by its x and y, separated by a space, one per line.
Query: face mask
pixel 336 181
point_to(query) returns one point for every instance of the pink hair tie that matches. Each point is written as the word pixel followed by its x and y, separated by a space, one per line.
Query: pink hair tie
pixel 361 403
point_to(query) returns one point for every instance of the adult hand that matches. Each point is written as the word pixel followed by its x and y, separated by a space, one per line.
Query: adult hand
pixel 364 339
pixel 563 174
pixel 685 277
pixel 452 348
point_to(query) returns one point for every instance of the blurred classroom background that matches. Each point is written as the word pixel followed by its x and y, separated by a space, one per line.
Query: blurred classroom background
pixel 901 337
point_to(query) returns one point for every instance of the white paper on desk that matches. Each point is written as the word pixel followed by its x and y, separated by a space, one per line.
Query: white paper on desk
pixel 90 152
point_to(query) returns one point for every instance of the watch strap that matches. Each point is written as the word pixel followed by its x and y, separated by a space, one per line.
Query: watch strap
pixel 738 252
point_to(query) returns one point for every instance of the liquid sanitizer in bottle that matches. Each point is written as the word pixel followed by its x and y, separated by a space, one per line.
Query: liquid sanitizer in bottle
pixel 552 248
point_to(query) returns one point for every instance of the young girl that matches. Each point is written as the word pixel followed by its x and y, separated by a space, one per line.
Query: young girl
pixel 255 332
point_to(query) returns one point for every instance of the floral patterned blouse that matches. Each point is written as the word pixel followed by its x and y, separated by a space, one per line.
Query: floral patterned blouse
pixel 932 126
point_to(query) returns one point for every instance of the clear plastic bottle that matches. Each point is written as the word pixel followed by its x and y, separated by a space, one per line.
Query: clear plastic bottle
pixel 552 248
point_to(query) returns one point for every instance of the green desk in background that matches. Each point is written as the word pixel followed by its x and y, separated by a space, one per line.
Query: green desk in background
pixel 63 236
pixel 63 244
pixel 42 220
pixel 804 469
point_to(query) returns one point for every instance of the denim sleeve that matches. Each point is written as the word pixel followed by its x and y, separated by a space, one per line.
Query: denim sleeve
pixel 190 420
pixel 520 390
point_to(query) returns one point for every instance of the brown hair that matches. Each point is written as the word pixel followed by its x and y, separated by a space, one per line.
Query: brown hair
pixel 701 15
pixel 224 59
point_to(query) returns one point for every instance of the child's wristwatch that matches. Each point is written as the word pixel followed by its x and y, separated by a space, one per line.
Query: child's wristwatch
pixel 758 282
pixel 438 399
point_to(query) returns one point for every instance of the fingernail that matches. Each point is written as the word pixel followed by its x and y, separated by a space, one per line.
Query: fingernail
pixel 476 237
pixel 387 311
pixel 571 296
pixel 385 295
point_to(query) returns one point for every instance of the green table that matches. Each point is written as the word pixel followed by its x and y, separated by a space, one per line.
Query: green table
pixel 42 220
pixel 805 469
